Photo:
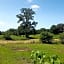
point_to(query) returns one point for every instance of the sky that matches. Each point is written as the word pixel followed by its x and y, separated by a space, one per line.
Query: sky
pixel 48 12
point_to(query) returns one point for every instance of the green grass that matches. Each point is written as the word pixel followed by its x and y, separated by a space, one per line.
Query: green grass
pixel 20 53
pixel 1 37
pixel 37 36
pixel 18 37
pixel 56 36
pixel 22 37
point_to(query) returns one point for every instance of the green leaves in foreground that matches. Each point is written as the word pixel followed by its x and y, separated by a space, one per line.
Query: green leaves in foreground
pixel 41 58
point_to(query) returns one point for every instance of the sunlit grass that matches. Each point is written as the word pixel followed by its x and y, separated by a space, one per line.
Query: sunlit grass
pixel 20 53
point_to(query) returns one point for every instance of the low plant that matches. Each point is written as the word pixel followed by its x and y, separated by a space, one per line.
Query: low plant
pixel 46 37
pixel 7 36
pixel 41 58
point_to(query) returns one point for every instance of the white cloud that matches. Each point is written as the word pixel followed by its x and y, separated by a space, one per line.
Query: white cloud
pixel 29 1
pixel 35 6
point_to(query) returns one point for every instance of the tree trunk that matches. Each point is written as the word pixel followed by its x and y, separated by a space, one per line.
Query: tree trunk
pixel 27 36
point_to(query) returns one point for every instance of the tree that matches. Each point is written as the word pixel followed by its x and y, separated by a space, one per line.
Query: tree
pixel 41 30
pixel 46 37
pixel 60 28
pixel 53 29
pixel 0 32
pixel 56 29
pixel 20 30
pixel 27 18
pixel 12 31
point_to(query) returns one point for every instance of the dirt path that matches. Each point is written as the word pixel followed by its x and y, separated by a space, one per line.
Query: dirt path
pixel 21 41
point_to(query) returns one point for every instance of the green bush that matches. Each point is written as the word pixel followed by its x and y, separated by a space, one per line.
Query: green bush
pixel 41 58
pixel 7 36
pixel 46 37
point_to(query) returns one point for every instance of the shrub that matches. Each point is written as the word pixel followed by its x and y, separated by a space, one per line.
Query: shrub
pixel 46 37
pixel 41 58
pixel 7 36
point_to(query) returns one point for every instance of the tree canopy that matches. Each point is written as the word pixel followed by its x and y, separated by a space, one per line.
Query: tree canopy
pixel 27 18
pixel 56 29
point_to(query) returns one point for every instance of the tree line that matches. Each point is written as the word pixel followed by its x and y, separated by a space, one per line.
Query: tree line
pixel 27 25
pixel 55 29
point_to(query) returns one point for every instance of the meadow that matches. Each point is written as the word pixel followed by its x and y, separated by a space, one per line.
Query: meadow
pixel 19 53
pixel 17 44
pixel 22 37
pixel 18 50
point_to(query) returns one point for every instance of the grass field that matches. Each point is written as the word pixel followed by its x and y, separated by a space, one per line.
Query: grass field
pixel 18 53
pixel 22 37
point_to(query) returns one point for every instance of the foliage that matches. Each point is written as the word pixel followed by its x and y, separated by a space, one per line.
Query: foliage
pixel 41 30
pixel 12 31
pixel 7 36
pixel 41 58
pixel 0 33
pixel 26 16
pixel 22 32
pixel 53 29
pixel 56 29
pixel 62 37
pixel 46 37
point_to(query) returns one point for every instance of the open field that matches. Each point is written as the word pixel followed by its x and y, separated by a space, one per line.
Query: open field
pixel 19 53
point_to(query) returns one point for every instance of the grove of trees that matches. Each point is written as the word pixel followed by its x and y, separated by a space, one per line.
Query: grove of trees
pixel 56 29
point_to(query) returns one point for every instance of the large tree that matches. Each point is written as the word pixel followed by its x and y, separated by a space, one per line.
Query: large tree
pixel 27 18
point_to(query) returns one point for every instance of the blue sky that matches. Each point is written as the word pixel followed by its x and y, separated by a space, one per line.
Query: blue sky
pixel 48 12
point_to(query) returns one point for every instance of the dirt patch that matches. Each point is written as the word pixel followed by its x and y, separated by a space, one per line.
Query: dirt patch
pixel 21 49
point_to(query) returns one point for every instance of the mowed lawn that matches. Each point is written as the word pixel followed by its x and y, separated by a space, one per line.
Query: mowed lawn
pixel 18 53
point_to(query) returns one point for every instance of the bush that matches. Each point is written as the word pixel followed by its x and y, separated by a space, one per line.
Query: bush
pixel 7 36
pixel 46 37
